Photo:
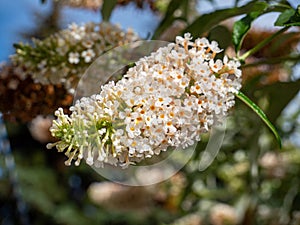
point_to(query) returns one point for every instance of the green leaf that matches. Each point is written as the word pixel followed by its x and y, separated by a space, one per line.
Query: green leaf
pixel 107 8
pixel 241 27
pixel 207 21
pixel 260 113
pixel 284 17
pixel 289 17
pixel 169 17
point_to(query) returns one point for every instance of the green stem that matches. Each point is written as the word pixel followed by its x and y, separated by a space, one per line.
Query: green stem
pixel 272 61
pixel 261 44
pixel 260 113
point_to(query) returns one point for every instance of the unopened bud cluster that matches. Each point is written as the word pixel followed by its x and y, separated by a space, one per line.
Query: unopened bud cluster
pixel 166 101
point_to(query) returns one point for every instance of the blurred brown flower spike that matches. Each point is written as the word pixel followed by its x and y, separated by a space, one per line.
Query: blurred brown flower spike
pixel 21 99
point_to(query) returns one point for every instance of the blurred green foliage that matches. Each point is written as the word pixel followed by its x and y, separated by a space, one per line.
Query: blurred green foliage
pixel 250 175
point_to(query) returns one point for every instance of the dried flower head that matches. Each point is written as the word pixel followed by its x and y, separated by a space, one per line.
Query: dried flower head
pixel 164 102
pixel 21 99
pixel 63 57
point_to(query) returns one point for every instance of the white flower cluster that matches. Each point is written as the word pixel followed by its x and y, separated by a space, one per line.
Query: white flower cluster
pixel 63 57
pixel 165 101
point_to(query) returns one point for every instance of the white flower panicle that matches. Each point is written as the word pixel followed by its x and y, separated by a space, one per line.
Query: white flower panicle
pixel 63 57
pixel 166 101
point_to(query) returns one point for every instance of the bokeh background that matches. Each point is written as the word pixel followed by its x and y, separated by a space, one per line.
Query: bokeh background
pixel 251 181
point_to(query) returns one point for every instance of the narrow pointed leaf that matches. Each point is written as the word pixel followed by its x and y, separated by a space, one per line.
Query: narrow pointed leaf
pixel 207 21
pixel 241 27
pixel 284 17
pixel 107 8
pixel 289 17
pixel 260 113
